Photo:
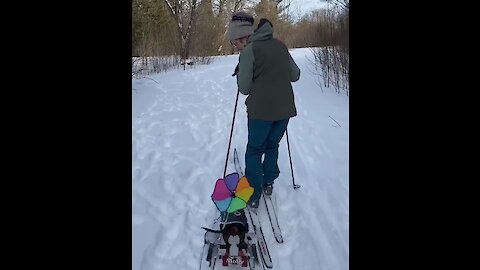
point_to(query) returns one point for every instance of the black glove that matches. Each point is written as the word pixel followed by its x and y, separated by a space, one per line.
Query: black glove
pixel 235 72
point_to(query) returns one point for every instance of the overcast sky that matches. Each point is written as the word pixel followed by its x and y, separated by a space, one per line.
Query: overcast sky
pixel 300 7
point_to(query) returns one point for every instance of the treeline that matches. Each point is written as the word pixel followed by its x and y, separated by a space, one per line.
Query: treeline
pixel 172 33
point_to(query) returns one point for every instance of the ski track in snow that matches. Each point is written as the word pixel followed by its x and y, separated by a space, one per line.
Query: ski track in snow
pixel 179 145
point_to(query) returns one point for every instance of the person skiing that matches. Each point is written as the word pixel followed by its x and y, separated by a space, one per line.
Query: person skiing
pixel 264 73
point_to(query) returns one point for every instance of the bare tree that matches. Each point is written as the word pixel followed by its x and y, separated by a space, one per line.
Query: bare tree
pixel 183 12
pixel 333 58
pixel 153 38
pixel 342 4
pixel 229 6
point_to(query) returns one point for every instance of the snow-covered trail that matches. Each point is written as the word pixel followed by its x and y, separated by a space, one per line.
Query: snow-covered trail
pixel 180 131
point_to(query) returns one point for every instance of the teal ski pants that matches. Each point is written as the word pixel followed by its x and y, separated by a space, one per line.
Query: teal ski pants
pixel 263 139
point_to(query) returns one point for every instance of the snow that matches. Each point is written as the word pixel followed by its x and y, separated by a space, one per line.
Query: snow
pixel 181 124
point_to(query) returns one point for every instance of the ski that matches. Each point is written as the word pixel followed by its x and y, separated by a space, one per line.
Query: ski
pixel 272 214
pixel 262 244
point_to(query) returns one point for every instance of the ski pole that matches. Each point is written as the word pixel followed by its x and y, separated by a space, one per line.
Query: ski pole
pixel 231 133
pixel 291 166
pixel 230 142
